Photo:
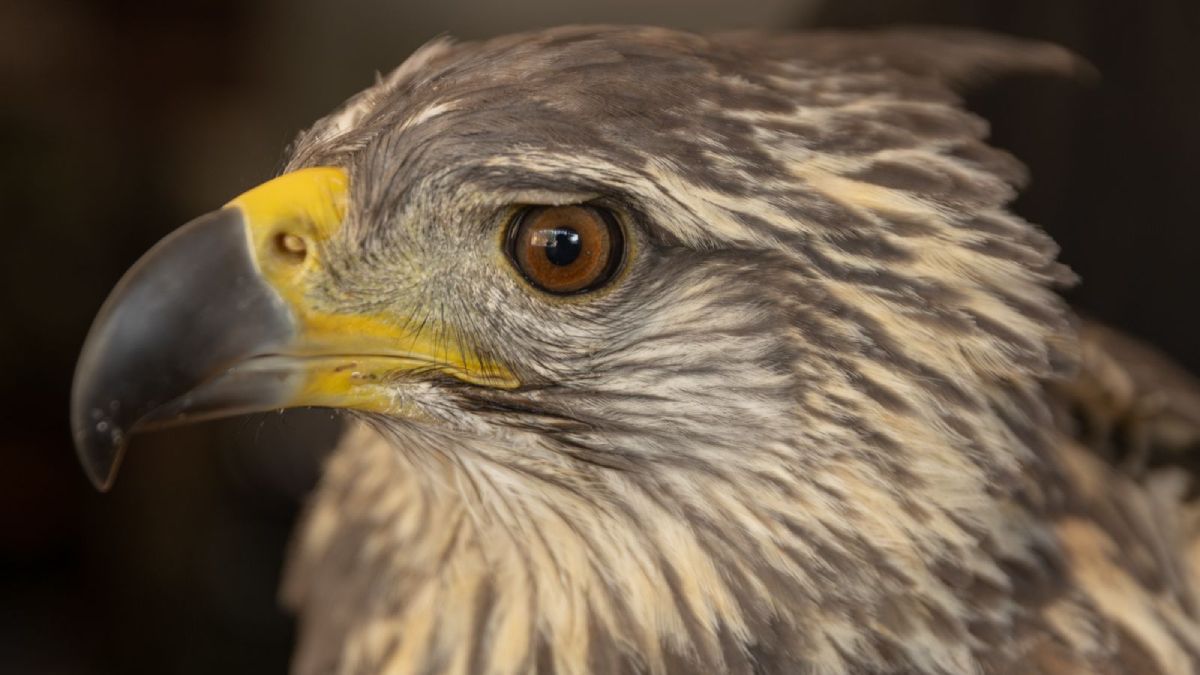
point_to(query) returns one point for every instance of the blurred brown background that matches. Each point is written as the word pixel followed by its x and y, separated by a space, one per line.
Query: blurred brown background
pixel 121 120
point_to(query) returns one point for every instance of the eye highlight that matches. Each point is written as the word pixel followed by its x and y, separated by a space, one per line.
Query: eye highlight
pixel 566 249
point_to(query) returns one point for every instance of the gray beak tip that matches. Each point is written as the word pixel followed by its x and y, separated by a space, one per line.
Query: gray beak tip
pixel 102 472
pixel 100 444
pixel 191 307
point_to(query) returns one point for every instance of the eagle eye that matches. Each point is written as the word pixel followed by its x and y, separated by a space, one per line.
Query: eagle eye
pixel 566 249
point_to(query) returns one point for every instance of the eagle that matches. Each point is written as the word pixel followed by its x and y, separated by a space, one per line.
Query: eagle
pixel 678 353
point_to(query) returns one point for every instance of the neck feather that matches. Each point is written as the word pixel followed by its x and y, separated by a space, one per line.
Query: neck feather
pixel 599 570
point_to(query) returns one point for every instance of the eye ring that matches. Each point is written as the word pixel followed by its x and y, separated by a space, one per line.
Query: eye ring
pixel 566 250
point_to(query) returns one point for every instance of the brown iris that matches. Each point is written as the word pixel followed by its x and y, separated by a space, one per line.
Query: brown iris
pixel 566 249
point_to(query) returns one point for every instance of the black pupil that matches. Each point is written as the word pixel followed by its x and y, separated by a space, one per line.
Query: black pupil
pixel 564 246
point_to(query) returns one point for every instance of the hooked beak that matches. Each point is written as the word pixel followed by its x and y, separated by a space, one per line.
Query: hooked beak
pixel 218 319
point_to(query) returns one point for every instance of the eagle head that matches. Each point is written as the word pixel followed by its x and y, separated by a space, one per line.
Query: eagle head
pixel 669 353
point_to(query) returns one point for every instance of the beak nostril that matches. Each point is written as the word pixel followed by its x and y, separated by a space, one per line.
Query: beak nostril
pixel 291 247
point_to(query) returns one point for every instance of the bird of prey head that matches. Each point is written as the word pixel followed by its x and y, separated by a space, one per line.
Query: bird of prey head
pixel 671 354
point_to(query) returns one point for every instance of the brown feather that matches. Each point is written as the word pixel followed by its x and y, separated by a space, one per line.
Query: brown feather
pixel 1134 405
pixel 810 429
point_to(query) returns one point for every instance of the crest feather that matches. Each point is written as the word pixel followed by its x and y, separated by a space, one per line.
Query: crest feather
pixel 956 57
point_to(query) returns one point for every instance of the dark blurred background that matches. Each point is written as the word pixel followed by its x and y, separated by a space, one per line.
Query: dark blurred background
pixel 121 120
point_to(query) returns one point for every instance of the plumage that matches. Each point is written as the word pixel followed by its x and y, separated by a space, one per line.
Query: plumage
pixel 831 415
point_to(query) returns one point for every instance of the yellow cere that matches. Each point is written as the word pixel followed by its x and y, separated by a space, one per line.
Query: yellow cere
pixel 349 356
